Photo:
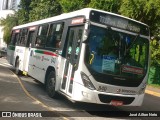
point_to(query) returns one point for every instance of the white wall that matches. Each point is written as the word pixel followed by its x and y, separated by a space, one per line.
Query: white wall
pixel 1 3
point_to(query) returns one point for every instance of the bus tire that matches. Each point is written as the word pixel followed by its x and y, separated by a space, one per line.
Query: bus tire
pixel 51 84
pixel 17 71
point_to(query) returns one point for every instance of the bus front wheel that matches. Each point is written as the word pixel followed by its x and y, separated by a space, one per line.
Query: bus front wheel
pixel 51 84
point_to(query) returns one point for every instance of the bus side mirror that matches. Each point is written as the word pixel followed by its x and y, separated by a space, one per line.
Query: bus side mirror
pixel 85 35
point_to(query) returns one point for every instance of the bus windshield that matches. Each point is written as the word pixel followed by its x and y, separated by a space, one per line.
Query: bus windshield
pixel 117 53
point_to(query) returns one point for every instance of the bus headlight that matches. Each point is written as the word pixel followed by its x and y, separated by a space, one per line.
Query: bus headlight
pixel 86 81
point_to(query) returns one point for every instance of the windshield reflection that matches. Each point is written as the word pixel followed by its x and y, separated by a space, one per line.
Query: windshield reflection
pixel 117 53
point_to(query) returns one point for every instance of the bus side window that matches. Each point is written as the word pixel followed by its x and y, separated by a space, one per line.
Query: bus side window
pixel 42 35
pixel 23 37
pixel 14 38
pixel 55 34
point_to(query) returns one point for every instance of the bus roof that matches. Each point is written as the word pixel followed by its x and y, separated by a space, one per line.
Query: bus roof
pixel 82 12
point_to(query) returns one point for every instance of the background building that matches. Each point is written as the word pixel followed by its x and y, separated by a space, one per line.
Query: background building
pixel 6 7
pixel 9 4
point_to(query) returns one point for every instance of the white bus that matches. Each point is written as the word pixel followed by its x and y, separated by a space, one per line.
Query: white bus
pixel 87 55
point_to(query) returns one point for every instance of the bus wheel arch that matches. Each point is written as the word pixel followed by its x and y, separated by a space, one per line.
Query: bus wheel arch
pixel 50 82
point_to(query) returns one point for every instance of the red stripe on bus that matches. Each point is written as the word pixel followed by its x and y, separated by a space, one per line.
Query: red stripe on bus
pixel 71 79
pixel 49 53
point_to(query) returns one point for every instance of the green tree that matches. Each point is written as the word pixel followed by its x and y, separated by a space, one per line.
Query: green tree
pixel 155 51
pixel 43 9
pixel 154 74
pixel 72 5
pixel 24 11
pixel 8 23
pixel 142 10
pixel 107 5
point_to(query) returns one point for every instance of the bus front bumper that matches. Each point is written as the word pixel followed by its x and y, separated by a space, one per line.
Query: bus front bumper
pixel 83 94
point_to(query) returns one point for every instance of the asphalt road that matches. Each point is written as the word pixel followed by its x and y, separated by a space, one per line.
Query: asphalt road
pixel 33 96
pixel 37 90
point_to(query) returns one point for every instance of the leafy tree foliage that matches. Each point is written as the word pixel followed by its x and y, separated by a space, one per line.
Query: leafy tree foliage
pixel 8 23
pixel 72 5
pixel 142 10
pixel 24 11
pixel 155 51
pixel 43 9
pixel 107 5
pixel 155 61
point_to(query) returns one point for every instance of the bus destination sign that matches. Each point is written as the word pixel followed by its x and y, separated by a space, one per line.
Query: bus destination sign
pixel 118 22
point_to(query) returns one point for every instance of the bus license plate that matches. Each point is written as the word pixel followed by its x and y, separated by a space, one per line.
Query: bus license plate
pixel 116 103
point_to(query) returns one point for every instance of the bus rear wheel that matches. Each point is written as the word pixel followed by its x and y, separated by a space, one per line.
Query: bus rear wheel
pixel 51 85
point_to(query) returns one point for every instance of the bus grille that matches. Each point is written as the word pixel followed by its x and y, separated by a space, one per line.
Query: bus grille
pixel 109 98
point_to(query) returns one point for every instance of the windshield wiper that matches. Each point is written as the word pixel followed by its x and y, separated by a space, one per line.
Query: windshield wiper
pixel 129 47
pixel 135 39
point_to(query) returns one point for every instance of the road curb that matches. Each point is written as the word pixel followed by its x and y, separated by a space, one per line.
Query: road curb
pixel 152 93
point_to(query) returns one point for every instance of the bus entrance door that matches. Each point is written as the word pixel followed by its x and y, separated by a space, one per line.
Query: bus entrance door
pixel 71 50
pixel 30 38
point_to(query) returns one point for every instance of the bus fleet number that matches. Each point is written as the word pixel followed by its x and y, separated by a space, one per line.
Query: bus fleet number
pixel 102 88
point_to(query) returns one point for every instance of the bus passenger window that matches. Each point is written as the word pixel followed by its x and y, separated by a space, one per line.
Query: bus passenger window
pixel 42 36
pixel 14 38
pixel 22 41
pixel 55 34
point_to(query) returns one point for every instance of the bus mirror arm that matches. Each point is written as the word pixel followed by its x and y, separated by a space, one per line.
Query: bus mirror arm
pixel 85 35
pixel 29 47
